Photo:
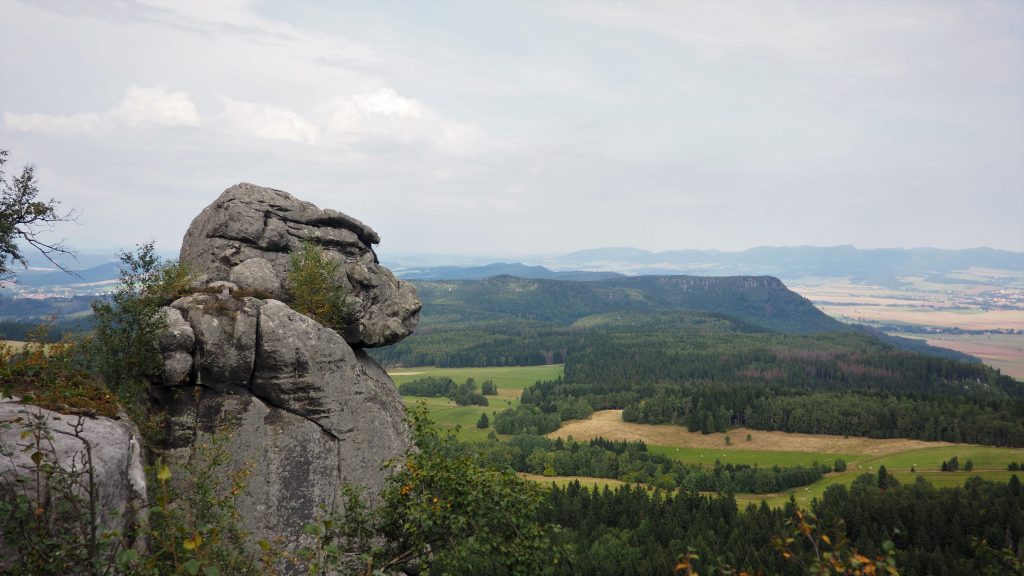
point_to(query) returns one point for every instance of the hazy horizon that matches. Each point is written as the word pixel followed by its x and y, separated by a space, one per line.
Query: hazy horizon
pixel 510 129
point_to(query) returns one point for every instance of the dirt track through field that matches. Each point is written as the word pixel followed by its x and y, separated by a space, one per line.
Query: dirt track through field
pixel 608 424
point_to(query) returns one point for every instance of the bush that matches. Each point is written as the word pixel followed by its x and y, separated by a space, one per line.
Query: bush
pixel 51 376
pixel 445 509
pixel 313 287
pixel 123 349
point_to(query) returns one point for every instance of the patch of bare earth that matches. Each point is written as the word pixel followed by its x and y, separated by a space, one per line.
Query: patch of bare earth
pixel 608 424
pixel 404 373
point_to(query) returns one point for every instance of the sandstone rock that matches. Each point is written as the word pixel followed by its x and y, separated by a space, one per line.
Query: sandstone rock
pixel 222 286
pixel 309 370
pixel 115 458
pixel 294 466
pixel 305 410
pixel 257 274
pixel 313 415
pixel 176 345
pixel 225 332
pixel 249 221
pixel 179 336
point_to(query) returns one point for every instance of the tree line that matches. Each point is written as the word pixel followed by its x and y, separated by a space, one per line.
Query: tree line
pixel 964 531
pixel 632 462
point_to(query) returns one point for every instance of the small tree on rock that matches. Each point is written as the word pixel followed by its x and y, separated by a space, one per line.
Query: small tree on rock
pixel 312 284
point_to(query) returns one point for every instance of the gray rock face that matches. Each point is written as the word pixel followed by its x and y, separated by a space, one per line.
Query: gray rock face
pixel 257 274
pixel 176 345
pixel 115 457
pixel 302 407
pixel 302 410
pixel 225 333
pixel 249 221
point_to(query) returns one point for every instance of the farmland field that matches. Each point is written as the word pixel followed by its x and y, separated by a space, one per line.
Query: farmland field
pixel 509 380
pixel 1002 351
pixel 862 455
pixel 939 308
pixel 608 424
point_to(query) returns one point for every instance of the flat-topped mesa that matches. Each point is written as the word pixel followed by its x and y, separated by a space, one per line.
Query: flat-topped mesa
pixel 248 234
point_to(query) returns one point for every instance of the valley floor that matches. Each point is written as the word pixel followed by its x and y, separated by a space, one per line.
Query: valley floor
pixel 906 459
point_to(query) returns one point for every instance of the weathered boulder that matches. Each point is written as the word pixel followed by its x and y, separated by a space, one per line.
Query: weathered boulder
pixel 110 446
pixel 301 407
pixel 249 221
pixel 258 275
pixel 293 404
pixel 225 334
pixel 176 344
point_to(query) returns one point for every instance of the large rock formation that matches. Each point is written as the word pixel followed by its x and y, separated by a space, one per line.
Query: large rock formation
pixel 298 405
pixel 248 234
pixel 70 444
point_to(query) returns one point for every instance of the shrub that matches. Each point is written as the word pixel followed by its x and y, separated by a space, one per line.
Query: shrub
pixel 123 349
pixel 50 376
pixel 312 285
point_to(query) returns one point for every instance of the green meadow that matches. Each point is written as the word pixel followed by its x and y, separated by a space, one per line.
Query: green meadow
pixel 510 381
pixel 989 462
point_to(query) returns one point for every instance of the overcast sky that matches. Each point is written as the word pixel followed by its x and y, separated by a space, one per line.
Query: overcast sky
pixel 530 127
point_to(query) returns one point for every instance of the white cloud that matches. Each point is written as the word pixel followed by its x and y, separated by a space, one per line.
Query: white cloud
pixel 384 114
pixel 141 107
pixel 270 121
pixel 88 123
pixel 156 106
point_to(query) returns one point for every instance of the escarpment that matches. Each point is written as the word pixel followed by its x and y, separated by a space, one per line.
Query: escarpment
pixel 301 407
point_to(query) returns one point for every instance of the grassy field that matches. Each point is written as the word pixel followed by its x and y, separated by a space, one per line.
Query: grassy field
pixel 509 380
pixel 587 481
pixel 764 458
pixel 862 455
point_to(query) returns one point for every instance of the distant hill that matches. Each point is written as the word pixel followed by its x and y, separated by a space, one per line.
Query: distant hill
pixel 882 266
pixel 498 269
pixel 108 271
pixel 761 301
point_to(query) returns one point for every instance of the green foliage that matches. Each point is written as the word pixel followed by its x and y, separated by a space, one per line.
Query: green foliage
pixel 483 422
pixel 632 462
pixel 526 419
pixel 51 376
pixel 193 524
pixel 23 217
pixel 843 384
pixel 464 394
pixel 623 301
pixel 124 343
pixel 824 555
pixel 488 388
pixel 963 531
pixel 313 287
pixel 454 516
pixel 839 465
pixel 49 521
